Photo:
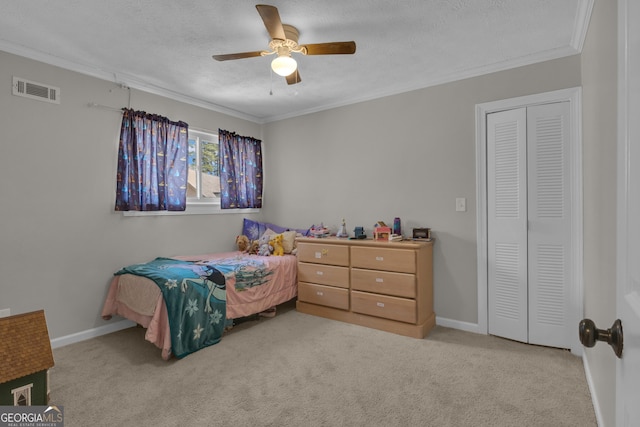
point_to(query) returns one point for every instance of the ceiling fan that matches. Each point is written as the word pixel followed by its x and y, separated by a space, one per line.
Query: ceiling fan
pixel 284 41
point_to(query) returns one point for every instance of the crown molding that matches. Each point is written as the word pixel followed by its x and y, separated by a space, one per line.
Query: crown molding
pixel 581 25
pixel 121 79
pixel 577 41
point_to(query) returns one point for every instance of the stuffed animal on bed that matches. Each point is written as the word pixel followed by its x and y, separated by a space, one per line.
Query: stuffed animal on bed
pixel 253 247
pixel 242 242
pixel 264 248
pixel 276 242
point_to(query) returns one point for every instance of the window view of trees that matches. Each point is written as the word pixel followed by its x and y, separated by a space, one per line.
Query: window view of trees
pixel 204 167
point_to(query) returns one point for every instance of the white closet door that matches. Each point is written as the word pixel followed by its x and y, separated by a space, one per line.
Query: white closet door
pixel 549 210
pixel 507 224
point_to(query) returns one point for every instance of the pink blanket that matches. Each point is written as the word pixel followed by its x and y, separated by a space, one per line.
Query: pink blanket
pixel 140 300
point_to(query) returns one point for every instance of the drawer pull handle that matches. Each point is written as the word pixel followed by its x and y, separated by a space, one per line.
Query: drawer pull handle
pixel 380 304
pixel 379 280
pixel 379 258
pixel 319 293
pixel 318 255
pixel 319 273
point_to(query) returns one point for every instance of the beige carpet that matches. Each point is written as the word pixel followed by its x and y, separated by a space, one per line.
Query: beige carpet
pixel 300 370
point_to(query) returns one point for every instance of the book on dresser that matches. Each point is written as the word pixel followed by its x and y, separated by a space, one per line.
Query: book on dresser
pixel 382 285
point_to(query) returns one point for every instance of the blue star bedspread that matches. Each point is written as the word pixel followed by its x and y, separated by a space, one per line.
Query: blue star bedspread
pixel 195 295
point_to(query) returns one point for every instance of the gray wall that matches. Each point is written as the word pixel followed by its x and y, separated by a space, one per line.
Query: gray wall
pixel 60 239
pixel 599 81
pixel 409 155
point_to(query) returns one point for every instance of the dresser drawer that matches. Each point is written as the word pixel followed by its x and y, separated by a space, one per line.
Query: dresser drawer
pixel 394 308
pixel 401 260
pixel 323 295
pixel 383 282
pixel 323 274
pixel 321 253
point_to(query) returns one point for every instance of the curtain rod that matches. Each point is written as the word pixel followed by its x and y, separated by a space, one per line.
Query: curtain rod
pixel 104 107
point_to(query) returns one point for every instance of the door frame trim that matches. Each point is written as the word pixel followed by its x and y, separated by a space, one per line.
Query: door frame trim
pixel 574 97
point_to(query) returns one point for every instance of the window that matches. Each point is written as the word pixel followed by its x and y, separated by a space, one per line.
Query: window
pixel 203 183
pixel 22 395
pixel 203 178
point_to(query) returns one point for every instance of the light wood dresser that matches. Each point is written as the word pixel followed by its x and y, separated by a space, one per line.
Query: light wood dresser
pixel 381 285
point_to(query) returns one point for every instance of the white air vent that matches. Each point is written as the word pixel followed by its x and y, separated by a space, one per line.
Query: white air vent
pixel 33 90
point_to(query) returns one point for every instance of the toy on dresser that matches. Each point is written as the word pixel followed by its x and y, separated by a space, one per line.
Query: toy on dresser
pixel 319 231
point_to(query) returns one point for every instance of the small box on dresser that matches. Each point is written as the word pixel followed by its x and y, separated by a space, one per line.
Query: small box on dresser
pixel 382 285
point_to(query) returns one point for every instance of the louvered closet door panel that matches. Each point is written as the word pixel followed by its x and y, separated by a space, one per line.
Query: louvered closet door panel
pixel 549 223
pixel 507 224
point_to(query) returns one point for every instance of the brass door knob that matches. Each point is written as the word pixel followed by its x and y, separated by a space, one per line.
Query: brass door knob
pixel 590 335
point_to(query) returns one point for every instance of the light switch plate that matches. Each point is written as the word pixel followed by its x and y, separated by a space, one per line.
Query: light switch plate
pixel 461 204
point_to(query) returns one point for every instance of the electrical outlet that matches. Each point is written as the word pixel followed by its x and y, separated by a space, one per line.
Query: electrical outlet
pixel 461 204
pixel 5 312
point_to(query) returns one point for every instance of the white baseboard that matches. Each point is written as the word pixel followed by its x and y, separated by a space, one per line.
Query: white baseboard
pixel 123 324
pixel 592 390
pixel 457 324
pixel 91 333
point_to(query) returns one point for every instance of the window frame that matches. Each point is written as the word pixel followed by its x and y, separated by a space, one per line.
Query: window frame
pixel 198 136
pixel 25 391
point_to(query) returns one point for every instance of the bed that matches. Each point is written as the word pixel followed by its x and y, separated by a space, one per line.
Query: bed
pixel 251 284
pixel 187 302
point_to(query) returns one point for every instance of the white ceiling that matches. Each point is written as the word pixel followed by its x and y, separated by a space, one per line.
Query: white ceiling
pixel 165 46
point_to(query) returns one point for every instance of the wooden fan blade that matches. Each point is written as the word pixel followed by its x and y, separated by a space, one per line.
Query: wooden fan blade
pixel 334 48
pixel 242 55
pixel 271 19
pixel 294 78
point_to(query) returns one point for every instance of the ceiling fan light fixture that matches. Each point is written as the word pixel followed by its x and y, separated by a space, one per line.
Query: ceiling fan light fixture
pixel 284 42
pixel 284 65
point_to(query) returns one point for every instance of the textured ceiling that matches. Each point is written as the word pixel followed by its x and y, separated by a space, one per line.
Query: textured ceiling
pixel 165 46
